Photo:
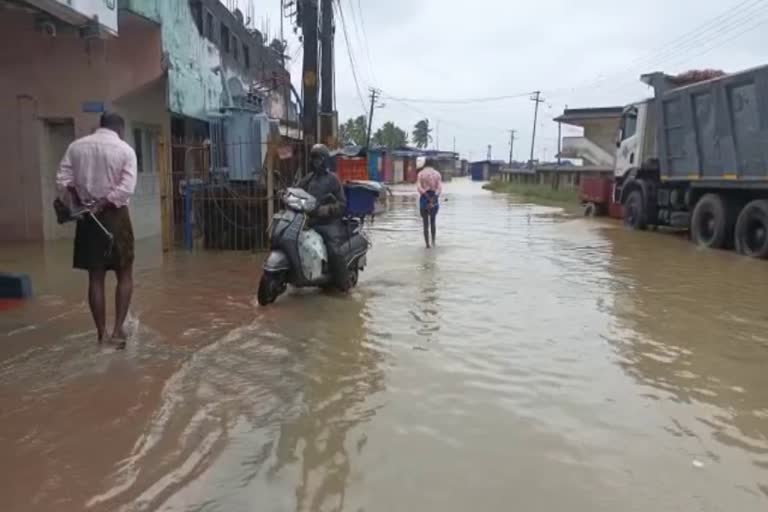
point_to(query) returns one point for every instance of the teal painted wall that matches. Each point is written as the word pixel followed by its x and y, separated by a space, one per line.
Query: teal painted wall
pixel 196 72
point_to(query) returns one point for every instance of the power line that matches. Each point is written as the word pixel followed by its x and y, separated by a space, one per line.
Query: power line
pixel 292 59
pixel 351 57
pixel 702 32
pixel 736 36
pixel 486 99
pixel 736 27
pixel 362 37
pixel 365 37
pixel 716 24
pixel 460 125
pixel 731 20
pixel 683 43
pixel 738 32
pixel 725 22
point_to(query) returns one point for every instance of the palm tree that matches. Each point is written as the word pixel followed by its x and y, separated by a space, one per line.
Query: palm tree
pixel 354 131
pixel 422 134
pixel 390 135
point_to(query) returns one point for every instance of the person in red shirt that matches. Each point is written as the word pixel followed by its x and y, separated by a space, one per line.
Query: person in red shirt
pixel 429 184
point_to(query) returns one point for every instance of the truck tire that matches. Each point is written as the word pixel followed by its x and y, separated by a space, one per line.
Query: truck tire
pixel 712 222
pixel 635 211
pixel 751 235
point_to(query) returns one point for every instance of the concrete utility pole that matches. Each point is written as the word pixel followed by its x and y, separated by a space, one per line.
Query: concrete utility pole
pixel 489 152
pixel 511 146
pixel 328 118
pixel 437 136
pixel 283 49
pixel 307 12
pixel 560 140
pixel 454 143
pixel 538 100
pixel 374 96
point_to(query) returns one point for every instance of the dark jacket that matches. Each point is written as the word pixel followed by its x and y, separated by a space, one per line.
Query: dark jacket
pixel 327 189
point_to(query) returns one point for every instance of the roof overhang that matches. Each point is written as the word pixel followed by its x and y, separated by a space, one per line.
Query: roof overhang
pixel 582 116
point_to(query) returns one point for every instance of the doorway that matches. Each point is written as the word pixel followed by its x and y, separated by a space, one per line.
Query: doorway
pixel 57 135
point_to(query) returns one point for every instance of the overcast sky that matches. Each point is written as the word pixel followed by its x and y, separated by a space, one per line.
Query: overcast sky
pixel 578 53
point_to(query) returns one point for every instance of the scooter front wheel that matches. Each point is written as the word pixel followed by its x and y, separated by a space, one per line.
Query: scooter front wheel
pixel 270 288
pixel 354 277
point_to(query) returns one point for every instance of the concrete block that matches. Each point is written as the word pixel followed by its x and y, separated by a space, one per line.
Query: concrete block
pixel 15 286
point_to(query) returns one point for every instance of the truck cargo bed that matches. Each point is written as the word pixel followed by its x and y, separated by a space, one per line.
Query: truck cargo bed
pixel 715 131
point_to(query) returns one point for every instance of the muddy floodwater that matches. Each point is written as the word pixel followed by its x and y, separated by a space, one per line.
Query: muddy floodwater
pixel 532 362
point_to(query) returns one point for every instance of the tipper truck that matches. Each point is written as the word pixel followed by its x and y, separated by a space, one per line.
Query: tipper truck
pixel 696 156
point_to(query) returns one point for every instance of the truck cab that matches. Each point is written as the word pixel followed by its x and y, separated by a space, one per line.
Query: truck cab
pixel 635 140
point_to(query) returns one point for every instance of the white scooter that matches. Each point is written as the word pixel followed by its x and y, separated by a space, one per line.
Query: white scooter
pixel 298 254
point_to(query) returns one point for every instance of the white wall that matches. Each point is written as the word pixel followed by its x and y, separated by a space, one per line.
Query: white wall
pixel 78 12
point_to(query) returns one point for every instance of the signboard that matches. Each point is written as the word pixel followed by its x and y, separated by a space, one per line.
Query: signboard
pixel 93 107
pixel 80 12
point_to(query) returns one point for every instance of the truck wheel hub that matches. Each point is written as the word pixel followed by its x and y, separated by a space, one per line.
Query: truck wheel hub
pixel 756 235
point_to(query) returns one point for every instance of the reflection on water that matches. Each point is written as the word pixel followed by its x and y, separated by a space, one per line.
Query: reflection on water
pixel 530 359
pixel 692 327
pixel 427 312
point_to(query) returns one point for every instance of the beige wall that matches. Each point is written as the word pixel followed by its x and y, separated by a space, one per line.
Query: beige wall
pixel 45 81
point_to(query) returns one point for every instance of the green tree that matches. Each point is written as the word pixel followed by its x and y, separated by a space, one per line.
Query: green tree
pixel 422 134
pixel 354 131
pixel 390 135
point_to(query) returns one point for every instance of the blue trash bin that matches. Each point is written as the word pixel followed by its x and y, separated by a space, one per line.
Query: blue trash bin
pixel 361 197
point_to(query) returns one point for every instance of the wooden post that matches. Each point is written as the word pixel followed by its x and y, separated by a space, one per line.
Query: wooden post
pixel 166 194
pixel 272 156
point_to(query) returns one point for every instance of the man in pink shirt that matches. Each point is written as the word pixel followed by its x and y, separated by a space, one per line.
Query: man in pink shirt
pixel 100 170
pixel 429 184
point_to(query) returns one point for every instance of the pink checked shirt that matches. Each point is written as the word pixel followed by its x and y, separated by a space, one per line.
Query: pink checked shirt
pixel 99 166
pixel 429 179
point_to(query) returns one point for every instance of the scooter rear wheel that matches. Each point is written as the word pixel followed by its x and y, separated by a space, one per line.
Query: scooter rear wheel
pixel 270 288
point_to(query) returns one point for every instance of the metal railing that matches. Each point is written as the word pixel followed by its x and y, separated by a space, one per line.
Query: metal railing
pixel 220 193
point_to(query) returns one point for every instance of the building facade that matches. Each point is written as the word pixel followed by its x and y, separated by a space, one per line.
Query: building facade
pixel 167 66
pixel 597 146
pixel 57 79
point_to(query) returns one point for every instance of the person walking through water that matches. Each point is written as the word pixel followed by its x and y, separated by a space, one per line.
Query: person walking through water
pixel 99 171
pixel 429 184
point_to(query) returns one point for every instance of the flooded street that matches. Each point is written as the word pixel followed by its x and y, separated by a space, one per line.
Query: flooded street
pixel 531 362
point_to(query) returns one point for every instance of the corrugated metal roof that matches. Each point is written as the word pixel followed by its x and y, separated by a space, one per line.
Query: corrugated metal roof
pixel 492 162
